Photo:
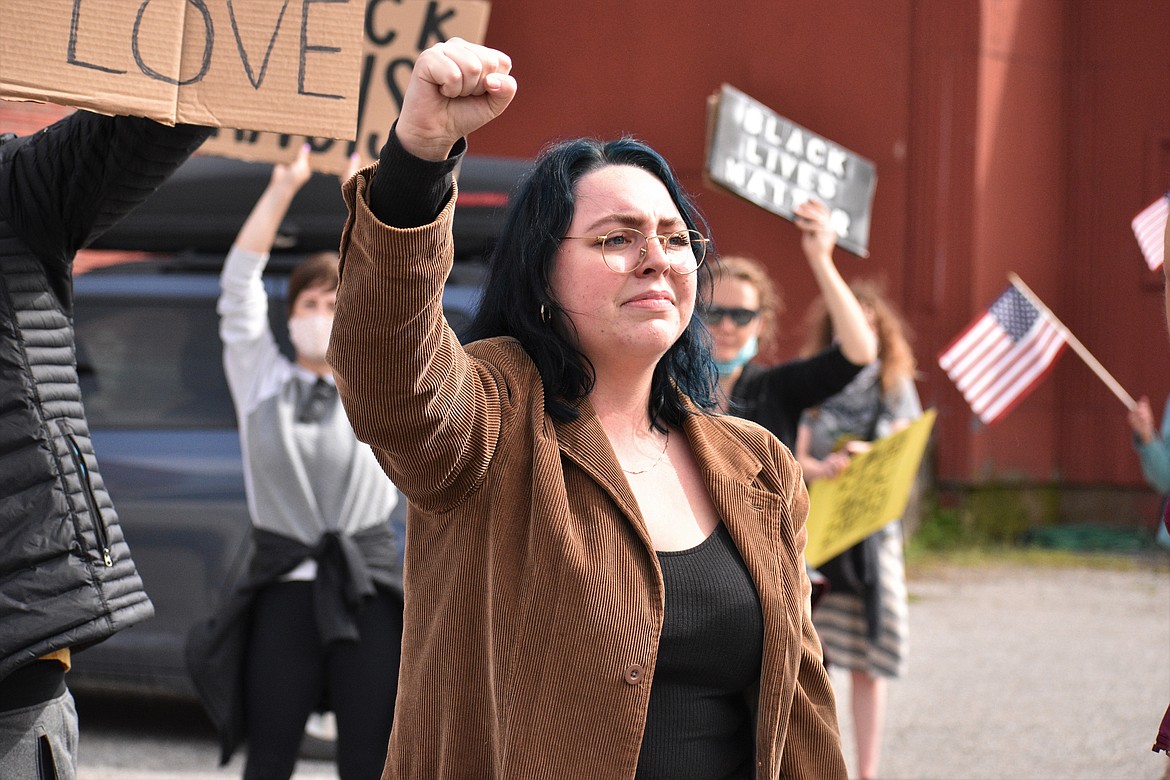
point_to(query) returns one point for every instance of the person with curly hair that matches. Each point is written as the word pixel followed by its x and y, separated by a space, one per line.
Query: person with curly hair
pixel 863 620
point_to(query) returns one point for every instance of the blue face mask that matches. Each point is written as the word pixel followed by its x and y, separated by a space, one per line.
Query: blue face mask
pixel 746 353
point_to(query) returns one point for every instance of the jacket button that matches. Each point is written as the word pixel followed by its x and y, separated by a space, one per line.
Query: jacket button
pixel 633 674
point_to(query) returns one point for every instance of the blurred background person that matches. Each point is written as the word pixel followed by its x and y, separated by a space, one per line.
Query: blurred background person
pixel 743 316
pixel 1166 272
pixel 319 619
pixel 1153 449
pixel 863 620
pixel 1162 741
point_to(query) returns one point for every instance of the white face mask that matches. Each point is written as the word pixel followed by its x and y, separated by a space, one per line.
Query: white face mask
pixel 310 335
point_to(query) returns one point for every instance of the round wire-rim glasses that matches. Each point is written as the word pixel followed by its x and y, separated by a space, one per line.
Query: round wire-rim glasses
pixel 625 249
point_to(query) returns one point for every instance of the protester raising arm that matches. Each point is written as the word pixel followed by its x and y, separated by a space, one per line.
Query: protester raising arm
pixel 318 617
pixel 742 319
pixel 249 345
pixel 554 461
pixel 818 240
pixel 451 94
pixel 59 188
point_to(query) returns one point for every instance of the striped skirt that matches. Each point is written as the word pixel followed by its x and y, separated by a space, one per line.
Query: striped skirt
pixel 840 618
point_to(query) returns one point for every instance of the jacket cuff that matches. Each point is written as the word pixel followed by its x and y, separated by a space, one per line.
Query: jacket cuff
pixel 408 191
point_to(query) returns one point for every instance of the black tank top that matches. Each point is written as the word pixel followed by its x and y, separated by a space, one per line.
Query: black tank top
pixel 699 725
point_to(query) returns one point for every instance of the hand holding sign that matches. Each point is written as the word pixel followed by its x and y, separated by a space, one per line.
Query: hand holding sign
pixel 867 495
pixel 289 178
pixel 456 88
pixel 832 465
pixel 818 236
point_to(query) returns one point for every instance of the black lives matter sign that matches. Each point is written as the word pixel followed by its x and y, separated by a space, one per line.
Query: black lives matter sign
pixel 777 164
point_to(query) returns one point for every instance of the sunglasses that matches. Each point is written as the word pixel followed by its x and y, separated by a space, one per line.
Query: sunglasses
pixel 715 314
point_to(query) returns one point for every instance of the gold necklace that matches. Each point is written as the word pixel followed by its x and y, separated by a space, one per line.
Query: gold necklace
pixel 657 460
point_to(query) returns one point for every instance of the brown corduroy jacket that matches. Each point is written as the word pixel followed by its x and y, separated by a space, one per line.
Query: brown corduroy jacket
pixel 534 598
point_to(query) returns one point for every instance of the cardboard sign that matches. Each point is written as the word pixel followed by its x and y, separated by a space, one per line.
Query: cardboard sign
pixel 282 65
pixel 870 493
pixel 396 32
pixel 777 164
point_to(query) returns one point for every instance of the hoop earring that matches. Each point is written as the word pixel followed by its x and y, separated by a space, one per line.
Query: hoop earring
pixel 545 314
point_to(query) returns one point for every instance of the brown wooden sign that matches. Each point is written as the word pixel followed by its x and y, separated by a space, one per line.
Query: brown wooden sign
pixel 287 66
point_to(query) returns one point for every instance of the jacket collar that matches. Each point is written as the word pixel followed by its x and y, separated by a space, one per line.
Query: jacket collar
pixel 754 517
pixel 721 457
pixel 716 450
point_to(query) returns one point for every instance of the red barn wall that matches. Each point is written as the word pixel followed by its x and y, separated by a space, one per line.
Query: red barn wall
pixel 1008 135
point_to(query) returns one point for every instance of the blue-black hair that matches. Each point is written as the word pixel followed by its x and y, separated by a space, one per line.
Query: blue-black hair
pixel 520 266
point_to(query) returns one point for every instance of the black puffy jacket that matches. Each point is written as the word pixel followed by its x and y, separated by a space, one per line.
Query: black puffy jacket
pixel 66 577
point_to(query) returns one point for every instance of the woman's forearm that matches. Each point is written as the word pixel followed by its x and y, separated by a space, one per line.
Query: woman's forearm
pixel 856 338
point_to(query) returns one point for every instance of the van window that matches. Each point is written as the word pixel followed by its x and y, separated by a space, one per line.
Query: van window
pixel 151 363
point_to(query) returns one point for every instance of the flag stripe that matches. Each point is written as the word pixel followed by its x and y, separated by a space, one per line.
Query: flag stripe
pixel 953 351
pixel 1014 402
pixel 1011 366
pixel 1002 355
pixel 1149 227
pixel 1021 374
pixel 977 375
pixel 973 348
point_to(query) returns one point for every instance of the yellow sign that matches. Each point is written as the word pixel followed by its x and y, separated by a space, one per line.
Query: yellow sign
pixel 872 492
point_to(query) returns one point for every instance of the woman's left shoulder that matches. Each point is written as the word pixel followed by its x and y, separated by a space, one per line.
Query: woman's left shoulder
pixel 745 433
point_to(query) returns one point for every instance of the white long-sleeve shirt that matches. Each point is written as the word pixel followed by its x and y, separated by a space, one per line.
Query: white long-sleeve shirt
pixel 302 479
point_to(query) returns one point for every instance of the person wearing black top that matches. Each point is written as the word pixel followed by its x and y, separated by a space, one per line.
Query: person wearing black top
pixel 565 468
pixel 710 652
pixel 742 317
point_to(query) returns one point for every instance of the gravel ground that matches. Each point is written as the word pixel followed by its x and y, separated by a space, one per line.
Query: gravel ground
pixel 1015 672
pixel 1030 672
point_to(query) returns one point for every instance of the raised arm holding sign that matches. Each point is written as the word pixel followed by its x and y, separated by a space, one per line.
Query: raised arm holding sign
pixel 743 315
pixel 778 165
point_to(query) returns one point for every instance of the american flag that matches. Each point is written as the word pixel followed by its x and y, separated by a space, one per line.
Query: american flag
pixel 1149 227
pixel 1002 355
